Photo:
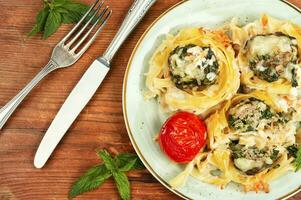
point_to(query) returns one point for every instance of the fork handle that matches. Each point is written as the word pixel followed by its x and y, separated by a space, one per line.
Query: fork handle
pixel 135 14
pixel 10 107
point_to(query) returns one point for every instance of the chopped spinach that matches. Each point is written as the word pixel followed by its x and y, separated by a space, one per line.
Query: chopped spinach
pixel 249 118
pixel 292 150
pixel 269 73
pixel 294 78
pixel 180 57
pixel 267 114
pixel 250 128
pixel 253 153
pixel 252 115
pixel 276 166
pixel 236 150
pixel 271 66
pixel 182 50
pixel 253 171
pixel 231 121
pixel 274 155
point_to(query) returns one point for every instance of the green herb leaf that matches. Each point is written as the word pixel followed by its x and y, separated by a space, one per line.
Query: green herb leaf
pixel 55 13
pixel 91 180
pixel 95 177
pixel 76 12
pixel 298 160
pixel 108 160
pixel 76 7
pixel 61 10
pixel 292 150
pixel 122 184
pixel 53 22
pixel 120 178
pixel 57 3
pixel 40 21
pixel 68 18
pixel 128 166
pixel 294 78
pixel 35 30
pixel 124 161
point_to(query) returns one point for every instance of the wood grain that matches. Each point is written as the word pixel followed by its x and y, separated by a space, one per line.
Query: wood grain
pixel 99 126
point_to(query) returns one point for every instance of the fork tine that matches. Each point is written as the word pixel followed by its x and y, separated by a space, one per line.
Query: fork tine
pixel 90 30
pixel 79 23
pixel 85 26
pixel 95 34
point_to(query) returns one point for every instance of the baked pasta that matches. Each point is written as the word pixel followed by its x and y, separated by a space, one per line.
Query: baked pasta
pixel 269 54
pixel 249 143
pixel 193 71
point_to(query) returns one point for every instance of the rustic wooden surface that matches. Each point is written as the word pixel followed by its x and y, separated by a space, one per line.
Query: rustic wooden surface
pixel 99 126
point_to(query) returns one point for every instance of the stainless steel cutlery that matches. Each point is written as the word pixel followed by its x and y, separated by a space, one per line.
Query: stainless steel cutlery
pixel 88 85
pixel 65 53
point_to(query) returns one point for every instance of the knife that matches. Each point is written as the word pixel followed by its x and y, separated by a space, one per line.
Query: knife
pixel 87 86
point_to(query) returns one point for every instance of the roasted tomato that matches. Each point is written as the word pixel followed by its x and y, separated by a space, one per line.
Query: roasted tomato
pixel 182 137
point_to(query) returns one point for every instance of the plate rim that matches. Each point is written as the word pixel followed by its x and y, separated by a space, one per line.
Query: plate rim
pixel 125 115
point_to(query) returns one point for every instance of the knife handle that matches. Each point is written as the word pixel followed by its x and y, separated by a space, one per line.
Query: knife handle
pixel 134 16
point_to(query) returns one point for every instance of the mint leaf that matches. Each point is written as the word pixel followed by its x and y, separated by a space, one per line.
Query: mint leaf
pixel 40 21
pixel 120 178
pixel 122 184
pixel 56 12
pixel 61 10
pixel 76 11
pixel 76 7
pixel 35 30
pixel 128 166
pixel 125 159
pixel 59 2
pixel 53 22
pixel 69 17
pixel 108 160
pixel 95 176
pixel 92 179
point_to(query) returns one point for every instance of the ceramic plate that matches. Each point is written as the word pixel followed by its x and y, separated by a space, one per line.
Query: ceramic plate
pixel 144 118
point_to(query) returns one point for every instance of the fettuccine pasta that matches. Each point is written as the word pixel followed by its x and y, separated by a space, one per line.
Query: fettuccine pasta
pixel 269 51
pixel 193 71
pixel 246 82
pixel 252 153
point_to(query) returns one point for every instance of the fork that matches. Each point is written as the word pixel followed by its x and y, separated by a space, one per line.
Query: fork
pixel 65 53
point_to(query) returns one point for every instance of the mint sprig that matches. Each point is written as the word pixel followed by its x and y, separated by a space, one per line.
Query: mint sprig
pixel 91 180
pixel 120 178
pixel 56 12
pixel 116 167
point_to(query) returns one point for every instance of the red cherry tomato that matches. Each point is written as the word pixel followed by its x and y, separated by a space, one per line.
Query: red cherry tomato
pixel 182 136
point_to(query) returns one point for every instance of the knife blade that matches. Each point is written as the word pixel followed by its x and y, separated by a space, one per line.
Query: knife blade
pixel 87 86
pixel 76 101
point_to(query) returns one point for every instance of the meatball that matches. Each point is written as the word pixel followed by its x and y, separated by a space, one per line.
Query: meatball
pixel 273 56
pixel 253 114
pixel 252 160
pixel 193 67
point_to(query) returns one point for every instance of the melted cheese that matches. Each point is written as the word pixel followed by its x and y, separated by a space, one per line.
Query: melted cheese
pixel 245 164
pixel 263 45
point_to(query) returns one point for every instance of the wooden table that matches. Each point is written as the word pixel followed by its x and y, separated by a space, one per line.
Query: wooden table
pixel 99 126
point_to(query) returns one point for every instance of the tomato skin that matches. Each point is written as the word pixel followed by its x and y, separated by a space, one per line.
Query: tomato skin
pixel 182 136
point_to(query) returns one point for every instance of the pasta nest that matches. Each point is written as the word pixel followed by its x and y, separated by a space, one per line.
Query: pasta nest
pixel 266 26
pixel 218 156
pixel 159 81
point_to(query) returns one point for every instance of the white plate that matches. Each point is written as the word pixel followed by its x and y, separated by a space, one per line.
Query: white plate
pixel 144 118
